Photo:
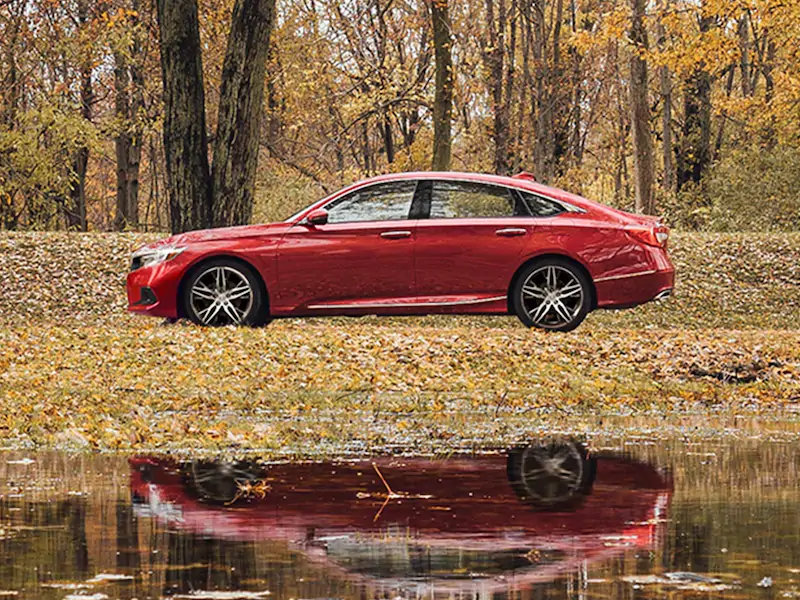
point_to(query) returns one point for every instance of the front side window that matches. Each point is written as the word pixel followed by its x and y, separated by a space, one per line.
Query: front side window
pixel 382 202
pixel 462 200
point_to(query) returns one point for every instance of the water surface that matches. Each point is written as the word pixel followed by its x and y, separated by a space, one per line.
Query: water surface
pixel 557 518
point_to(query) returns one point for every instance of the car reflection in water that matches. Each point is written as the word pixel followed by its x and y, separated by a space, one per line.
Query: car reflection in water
pixel 458 524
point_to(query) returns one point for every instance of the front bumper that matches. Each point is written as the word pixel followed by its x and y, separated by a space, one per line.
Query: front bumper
pixel 154 290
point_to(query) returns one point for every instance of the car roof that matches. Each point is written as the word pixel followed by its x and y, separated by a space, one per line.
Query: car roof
pixel 520 183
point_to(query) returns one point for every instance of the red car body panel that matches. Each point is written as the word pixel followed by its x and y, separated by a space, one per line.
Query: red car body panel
pixel 441 266
pixel 459 503
pixel 343 262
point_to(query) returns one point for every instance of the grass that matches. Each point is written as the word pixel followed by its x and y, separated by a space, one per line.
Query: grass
pixel 76 371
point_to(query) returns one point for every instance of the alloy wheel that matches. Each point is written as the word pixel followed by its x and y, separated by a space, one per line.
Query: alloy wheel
pixel 551 474
pixel 221 295
pixel 552 296
pixel 221 481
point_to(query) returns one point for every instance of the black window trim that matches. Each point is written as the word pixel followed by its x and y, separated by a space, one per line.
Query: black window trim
pixel 521 194
pixel 421 205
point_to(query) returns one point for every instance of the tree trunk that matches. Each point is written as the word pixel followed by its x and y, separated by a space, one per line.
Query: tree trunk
pixel 240 109
pixel 575 144
pixel 12 83
pixel 76 211
pixel 668 181
pixel 665 84
pixel 743 31
pixel 723 114
pixel 494 57
pixel 694 152
pixel 136 108
pixel 185 141
pixel 388 138
pixel 551 138
pixel 640 113
pixel 122 143
pixel 770 138
pixel 443 96
pixel 510 73
pixel 128 89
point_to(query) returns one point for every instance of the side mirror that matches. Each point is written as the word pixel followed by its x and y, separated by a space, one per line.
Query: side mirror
pixel 318 216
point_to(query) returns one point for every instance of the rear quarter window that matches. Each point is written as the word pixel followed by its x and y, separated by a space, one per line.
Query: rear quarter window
pixel 540 206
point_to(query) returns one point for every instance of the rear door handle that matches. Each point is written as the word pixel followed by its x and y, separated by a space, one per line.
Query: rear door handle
pixel 393 235
pixel 511 231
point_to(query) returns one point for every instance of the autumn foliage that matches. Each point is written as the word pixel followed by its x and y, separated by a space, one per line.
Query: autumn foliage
pixel 351 90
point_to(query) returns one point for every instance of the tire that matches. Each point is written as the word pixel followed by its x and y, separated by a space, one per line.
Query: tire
pixel 551 476
pixel 217 482
pixel 225 292
pixel 552 294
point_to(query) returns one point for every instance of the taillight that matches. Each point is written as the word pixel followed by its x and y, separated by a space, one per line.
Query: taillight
pixel 653 235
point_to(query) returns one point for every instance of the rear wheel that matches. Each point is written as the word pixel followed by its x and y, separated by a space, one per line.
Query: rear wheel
pixel 552 293
pixel 552 475
pixel 225 292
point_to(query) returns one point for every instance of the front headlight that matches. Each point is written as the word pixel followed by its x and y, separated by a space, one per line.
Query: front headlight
pixel 147 257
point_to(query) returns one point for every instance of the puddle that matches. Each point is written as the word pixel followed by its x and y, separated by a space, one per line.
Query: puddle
pixel 609 517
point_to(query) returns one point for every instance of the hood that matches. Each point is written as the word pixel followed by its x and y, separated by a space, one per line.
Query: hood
pixel 225 233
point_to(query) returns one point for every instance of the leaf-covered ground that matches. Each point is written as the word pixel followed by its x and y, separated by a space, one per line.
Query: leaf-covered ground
pixel 76 371
pixel 734 281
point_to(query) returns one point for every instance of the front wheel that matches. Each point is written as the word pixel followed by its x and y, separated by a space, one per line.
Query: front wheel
pixel 552 294
pixel 224 292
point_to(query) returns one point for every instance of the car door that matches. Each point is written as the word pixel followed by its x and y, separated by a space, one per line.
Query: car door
pixel 363 254
pixel 470 244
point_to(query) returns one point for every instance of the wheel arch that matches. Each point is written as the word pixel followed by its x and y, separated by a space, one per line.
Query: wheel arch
pixel 205 260
pixel 542 257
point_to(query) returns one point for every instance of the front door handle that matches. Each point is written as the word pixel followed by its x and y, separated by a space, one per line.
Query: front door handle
pixel 394 235
pixel 511 231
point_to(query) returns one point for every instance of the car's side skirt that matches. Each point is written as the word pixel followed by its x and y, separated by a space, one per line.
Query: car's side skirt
pixel 405 303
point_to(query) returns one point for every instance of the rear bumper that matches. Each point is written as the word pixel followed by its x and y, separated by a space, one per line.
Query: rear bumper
pixel 636 288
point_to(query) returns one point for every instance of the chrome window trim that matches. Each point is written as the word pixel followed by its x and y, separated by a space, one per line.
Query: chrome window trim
pixel 432 177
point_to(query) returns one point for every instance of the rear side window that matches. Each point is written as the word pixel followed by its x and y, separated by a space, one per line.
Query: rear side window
pixel 462 200
pixel 382 202
pixel 541 207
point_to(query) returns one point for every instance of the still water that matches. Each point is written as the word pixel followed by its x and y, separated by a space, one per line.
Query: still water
pixel 557 518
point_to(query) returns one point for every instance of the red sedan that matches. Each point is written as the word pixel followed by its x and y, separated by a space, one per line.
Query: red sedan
pixel 462 524
pixel 412 244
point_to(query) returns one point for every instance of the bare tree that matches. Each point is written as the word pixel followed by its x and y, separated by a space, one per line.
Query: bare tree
pixel 240 109
pixel 128 103
pixel 694 152
pixel 494 56
pixel 443 95
pixel 640 112
pixel 665 85
pixel 185 141
pixel 75 212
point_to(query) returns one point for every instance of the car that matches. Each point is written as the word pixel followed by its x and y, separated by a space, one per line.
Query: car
pixel 413 244
pixel 465 523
